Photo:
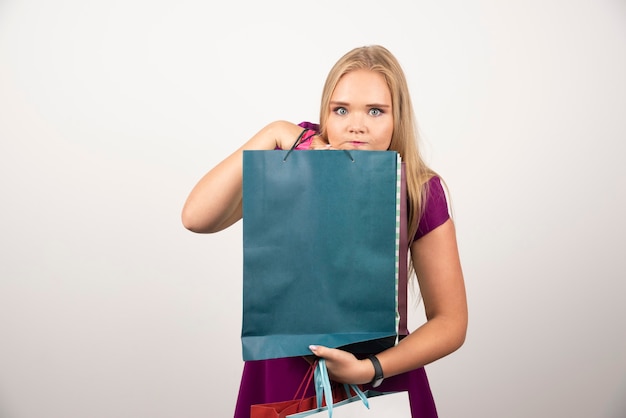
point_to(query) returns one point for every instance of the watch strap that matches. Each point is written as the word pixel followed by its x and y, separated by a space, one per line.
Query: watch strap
pixel 378 371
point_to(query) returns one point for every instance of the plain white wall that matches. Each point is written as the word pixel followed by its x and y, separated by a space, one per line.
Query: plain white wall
pixel 110 111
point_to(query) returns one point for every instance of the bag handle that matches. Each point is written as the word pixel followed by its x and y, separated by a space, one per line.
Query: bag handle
pixel 308 376
pixel 323 390
pixel 299 139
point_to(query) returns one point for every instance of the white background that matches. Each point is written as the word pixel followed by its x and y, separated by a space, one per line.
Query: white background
pixel 110 111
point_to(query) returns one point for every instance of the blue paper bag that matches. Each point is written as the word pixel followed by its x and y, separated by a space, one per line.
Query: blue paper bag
pixel 320 250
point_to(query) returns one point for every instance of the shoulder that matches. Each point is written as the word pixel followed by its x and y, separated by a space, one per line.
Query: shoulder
pixel 435 207
pixel 303 142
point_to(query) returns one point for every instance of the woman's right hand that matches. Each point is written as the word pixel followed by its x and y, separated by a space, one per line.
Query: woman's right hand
pixel 215 202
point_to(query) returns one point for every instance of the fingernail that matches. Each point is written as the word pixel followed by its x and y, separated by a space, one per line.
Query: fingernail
pixel 313 348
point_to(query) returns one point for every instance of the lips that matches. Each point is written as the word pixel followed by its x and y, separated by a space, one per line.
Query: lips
pixel 349 144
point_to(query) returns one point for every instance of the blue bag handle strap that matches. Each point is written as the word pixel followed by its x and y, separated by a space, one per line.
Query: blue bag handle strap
pixel 322 386
pixel 357 390
pixel 323 390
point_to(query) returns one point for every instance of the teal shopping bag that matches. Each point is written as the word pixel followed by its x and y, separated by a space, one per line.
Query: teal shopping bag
pixel 320 250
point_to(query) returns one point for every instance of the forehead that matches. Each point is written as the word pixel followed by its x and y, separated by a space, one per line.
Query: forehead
pixel 362 85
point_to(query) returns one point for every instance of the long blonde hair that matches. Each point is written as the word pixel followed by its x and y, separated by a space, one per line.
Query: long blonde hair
pixel 405 137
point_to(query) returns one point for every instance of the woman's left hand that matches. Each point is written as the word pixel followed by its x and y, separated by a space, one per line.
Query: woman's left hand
pixel 344 367
pixel 318 144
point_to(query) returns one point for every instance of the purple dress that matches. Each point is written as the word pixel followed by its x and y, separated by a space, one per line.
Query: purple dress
pixel 275 380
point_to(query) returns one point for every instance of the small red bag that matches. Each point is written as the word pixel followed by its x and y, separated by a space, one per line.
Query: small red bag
pixel 284 408
pixel 299 403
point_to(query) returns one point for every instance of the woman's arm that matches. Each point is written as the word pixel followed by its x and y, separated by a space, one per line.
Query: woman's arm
pixel 436 260
pixel 438 268
pixel 215 201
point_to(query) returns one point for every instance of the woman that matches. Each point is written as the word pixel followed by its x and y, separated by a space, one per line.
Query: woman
pixel 366 106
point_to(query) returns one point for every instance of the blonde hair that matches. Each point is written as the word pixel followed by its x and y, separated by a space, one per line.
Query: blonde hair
pixel 405 137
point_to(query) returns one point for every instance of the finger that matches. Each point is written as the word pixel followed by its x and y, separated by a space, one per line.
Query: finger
pixel 318 350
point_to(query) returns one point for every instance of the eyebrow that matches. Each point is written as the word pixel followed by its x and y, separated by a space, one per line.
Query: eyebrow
pixel 339 103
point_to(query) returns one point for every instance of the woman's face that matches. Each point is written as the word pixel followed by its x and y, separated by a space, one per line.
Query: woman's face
pixel 360 113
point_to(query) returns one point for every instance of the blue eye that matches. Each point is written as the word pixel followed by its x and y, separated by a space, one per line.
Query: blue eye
pixel 340 111
pixel 375 112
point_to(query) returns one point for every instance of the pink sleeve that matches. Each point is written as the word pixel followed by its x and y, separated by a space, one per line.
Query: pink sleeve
pixel 307 137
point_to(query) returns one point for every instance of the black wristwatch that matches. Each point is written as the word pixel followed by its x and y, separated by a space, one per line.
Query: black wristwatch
pixel 378 372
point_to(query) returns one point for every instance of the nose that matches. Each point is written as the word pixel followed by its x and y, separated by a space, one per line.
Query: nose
pixel 357 123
